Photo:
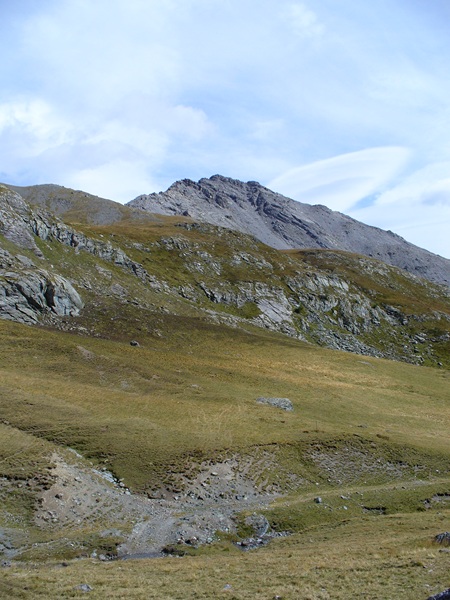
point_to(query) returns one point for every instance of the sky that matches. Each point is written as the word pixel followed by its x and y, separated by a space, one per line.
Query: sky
pixel 333 102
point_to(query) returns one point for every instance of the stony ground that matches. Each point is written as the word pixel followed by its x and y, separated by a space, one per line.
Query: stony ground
pixel 81 496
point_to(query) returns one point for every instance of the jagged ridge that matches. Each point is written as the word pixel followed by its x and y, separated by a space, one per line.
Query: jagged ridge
pixel 284 223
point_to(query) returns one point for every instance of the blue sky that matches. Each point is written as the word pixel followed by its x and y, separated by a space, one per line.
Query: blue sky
pixel 331 102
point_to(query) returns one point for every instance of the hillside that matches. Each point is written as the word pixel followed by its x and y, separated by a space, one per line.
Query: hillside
pixel 145 363
pixel 336 299
pixel 284 223
pixel 76 206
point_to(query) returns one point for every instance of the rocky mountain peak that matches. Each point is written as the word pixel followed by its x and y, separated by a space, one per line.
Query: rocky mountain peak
pixel 284 223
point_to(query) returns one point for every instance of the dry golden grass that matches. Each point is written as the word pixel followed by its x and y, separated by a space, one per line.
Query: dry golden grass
pixel 376 558
pixel 190 394
pixel 172 396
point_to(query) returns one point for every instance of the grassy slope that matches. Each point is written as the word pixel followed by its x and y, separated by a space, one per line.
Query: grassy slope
pixel 188 392
pixel 195 390
pixel 145 410
pixel 420 301
pixel 76 206
pixel 364 559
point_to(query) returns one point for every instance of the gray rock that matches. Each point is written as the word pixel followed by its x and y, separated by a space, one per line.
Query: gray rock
pixel 27 292
pixel 283 403
pixel 259 524
pixel 61 297
pixel 83 587
pixel 443 538
pixel 119 290
pixel 24 295
pixel 14 213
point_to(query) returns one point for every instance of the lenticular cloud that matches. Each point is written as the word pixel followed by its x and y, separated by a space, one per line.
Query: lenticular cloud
pixel 344 180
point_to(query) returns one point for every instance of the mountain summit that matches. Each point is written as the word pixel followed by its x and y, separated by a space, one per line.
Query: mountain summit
pixel 284 223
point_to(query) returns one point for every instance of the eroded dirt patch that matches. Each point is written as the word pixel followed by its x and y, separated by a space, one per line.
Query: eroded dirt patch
pixel 83 497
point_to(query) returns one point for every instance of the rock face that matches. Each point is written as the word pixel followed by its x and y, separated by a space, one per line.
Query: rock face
pixel 26 293
pixel 19 223
pixel 284 223
pixel 15 220
pixel 445 595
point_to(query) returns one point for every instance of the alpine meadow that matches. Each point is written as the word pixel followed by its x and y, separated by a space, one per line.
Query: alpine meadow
pixel 218 392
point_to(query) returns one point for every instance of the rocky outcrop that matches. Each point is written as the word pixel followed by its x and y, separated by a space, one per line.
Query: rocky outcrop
pixel 284 223
pixel 445 595
pixel 20 224
pixel 45 229
pixel 15 216
pixel 313 305
pixel 26 292
pixel 315 308
pixel 443 538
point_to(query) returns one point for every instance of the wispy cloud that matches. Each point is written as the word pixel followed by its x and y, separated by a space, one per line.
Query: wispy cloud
pixel 31 124
pixel 342 181
pixel 417 208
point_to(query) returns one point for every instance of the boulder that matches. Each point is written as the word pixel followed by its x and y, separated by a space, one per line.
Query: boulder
pixel 283 403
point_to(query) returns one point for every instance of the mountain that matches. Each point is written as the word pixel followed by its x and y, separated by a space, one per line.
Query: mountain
pixel 76 205
pixel 284 223
pixel 175 388
pixel 67 273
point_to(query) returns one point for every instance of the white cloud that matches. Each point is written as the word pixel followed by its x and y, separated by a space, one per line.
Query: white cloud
pixel 427 186
pixel 418 208
pixel 48 148
pixel 342 181
pixel 188 122
pixel 115 179
pixel 34 122
pixel 303 21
